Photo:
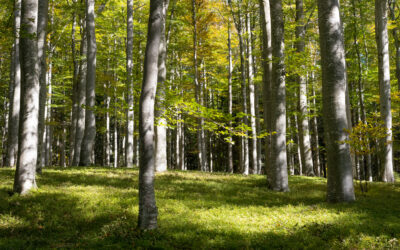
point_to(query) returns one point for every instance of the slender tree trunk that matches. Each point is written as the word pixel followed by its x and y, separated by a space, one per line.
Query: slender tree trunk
pixel 48 113
pixel 115 130
pixel 75 93
pixel 304 134
pixel 250 76
pixel 108 131
pixel 15 88
pixel 86 157
pixel 382 39
pixel 340 175
pixel 278 179
pixel 81 89
pixel 41 36
pixel 147 204
pixel 315 139
pixel 230 154
pixel 129 88
pixel 161 129
pixel 267 68
pixel 28 130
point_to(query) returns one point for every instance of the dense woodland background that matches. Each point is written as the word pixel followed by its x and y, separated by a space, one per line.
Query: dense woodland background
pixel 179 109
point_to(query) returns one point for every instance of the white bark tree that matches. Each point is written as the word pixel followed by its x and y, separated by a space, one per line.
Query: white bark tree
pixel 334 85
pixel 148 212
pixel 29 116
pixel 382 40
pixel 15 88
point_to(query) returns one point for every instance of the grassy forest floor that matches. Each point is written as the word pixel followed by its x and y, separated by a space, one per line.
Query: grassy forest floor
pixel 97 208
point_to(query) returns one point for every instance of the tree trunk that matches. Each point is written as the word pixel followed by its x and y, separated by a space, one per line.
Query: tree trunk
pixel 340 175
pixel 75 93
pixel 15 88
pixel 267 68
pixel 161 129
pixel 28 131
pixel 382 41
pixel 304 134
pixel 230 154
pixel 81 89
pixel 130 118
pixel 315 138
pixel 278 179
pixel 250 76
pixel 147 204
pixel 41 33
pixel 86 157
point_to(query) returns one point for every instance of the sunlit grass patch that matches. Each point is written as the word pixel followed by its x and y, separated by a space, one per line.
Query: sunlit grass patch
pixel 97 208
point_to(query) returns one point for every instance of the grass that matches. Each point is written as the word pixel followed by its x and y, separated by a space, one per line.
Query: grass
pixel 96 208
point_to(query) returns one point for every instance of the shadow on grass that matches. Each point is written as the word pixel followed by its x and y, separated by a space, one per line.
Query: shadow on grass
pixel 51 219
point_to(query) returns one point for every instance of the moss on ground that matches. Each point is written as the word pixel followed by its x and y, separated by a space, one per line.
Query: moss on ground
pixel 96 208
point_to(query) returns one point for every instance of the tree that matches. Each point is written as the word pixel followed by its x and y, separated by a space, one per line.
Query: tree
pixel 15 90
pixel 161 131
pixel 130 125
pixel 267 71
pixel 340 174
pixel 28 131
pixel 278 178
pixel 81 92
pixel 87 155
pixel 382 40
pixel 41 32
pixel 304 135
pixel 147 204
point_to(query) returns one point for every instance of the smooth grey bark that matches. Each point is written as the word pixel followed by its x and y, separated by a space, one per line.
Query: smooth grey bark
pixel 230 154
pixel 130 116
pixel 48 113
pixel 252 98
pixel 278 178
pixel 115 130
pixel 28 130
pixel 315 137
pixel 81 90
pixel 267 72
pixel 147 203
pixel 298 153
pixel 15 88
pixel 41 36
pixel 304 134
pixel 382 40
pixel 340 175
pixel 161 129
pixel 108 132
pixel 239 24
pixel 86 157
pixel 75 93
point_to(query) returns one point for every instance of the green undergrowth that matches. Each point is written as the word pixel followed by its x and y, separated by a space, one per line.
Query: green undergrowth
pixel 96 208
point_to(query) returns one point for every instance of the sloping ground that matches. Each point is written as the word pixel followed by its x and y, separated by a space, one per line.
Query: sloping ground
pixel 97 208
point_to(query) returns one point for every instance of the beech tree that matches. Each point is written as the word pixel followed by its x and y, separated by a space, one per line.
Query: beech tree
pixel 147 204
pixel 340 173
pixel 382 40
pixel 15 90
pixel 278 177
pixel 29 114
pixel 130 125
pixel 87 154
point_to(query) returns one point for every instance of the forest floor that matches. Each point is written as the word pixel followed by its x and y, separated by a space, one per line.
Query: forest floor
pixel 96 208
